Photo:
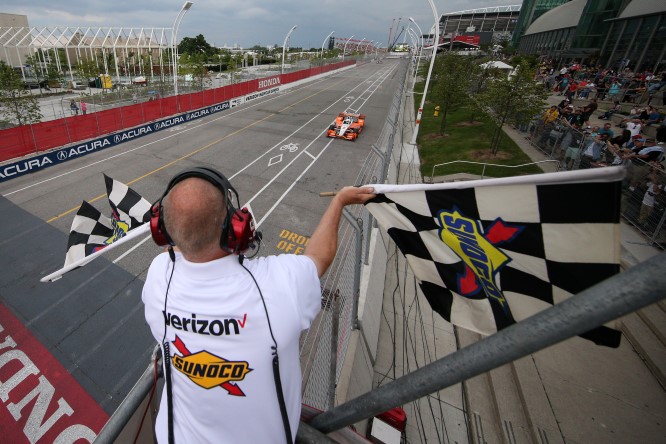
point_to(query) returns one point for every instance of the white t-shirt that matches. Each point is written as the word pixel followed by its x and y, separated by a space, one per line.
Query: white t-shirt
pixel 634 128
pixel 222 375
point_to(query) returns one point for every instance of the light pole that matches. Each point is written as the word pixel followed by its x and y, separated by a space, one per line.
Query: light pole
pixel 174 35
pixel 358 45
pixel 417 54
pixel 418 60
pixel 432 63
pixel 367 46
pixel 345 48
pixel 284 47
pixel 324 42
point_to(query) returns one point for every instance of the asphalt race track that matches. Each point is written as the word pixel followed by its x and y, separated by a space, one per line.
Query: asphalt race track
pixel 273 150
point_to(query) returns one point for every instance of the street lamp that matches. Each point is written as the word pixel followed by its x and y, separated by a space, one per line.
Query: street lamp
pixel 284 47
pixel 324 42
pixel 367 46
pixel 344 50
pixel 174 35
pixel 417 26
pixel 418 55
pixel 358 45
pixel 432 63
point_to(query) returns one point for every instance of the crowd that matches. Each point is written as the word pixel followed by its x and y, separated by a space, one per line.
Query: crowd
pixel 586 137
pixel 585 82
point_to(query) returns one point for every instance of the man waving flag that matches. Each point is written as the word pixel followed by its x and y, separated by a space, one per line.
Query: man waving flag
pixel 91 230
pixel 489 253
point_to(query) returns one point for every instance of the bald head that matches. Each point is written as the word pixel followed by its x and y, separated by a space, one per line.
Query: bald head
pixel 194 211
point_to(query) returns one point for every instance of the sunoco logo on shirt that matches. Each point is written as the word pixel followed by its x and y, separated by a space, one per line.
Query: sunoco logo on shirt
pixel 209 371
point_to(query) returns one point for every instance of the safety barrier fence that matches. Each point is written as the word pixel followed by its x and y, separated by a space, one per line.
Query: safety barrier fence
pixel 324 352
pixel 33 138
pixel 643 193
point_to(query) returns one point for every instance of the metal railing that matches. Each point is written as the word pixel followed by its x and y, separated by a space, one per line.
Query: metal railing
pixel 567 145
pixel 554 163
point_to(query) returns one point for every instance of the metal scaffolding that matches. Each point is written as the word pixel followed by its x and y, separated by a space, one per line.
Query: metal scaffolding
pixel 118 52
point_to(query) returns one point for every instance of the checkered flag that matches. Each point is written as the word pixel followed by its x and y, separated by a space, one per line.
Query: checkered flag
pixel 91 230
pixel 490 253
pixel 127 205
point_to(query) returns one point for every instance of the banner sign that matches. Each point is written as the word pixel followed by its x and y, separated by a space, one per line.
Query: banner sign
pixel 26 166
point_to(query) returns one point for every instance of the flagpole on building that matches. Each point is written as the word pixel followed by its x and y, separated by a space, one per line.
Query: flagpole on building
pixel 131 235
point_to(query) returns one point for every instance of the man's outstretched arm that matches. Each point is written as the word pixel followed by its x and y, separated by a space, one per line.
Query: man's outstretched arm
pixel 324 241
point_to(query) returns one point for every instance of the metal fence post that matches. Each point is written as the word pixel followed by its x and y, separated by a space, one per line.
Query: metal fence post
pixel 356 225
pixel 335 323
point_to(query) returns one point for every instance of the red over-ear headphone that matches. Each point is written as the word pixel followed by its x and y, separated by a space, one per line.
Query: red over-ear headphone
pixel 238 231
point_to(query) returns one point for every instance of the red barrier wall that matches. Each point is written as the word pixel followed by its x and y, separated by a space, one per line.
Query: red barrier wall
pixel 28 139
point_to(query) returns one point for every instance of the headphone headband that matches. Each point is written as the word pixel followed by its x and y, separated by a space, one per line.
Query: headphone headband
pixel 238 231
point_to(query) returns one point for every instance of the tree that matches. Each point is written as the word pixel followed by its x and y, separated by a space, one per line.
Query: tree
pixel 452 82
pixel 195 45
pixel 195 65
pixel 513 99
pixel 87 69
pixel 16 102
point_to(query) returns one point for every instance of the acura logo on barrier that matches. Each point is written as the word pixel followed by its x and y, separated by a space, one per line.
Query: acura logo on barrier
pixel 116 138
pixel 62 155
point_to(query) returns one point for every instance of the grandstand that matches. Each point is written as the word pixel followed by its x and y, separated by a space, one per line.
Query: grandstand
pixel 487 23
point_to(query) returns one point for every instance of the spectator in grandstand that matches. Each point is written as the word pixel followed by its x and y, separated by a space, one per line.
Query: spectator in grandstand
pixel 574 142
pixel 634 126
pixel 616 108
pixel 613 90
pixel 654 117
pixel 589 109
pixel 645 150
pixel 661 132
pixel 592 152
pixel 607 130
pixel 654 190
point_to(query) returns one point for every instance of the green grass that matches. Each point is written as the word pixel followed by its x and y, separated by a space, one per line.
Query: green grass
pixel 465 141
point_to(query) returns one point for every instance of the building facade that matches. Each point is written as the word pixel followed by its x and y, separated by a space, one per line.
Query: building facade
pixel 612 33
pixel 482 25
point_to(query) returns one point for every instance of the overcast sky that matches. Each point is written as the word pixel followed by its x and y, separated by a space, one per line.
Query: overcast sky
pixel 247 22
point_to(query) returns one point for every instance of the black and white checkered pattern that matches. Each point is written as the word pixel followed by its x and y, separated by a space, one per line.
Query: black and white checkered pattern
pixel 127 205
pixel 91 230
pixel 567 239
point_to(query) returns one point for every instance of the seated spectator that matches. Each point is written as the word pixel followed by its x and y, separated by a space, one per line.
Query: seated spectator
pixel 607 130
pixel 589 109
pixel 613 90
pixel 661 132
pixel 592 152
pixel 648 151
pixel 615 109
pixel 654 117
pixel 634 126
pixel 574 142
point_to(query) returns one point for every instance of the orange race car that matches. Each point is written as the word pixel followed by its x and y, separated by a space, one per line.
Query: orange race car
pixel 347 126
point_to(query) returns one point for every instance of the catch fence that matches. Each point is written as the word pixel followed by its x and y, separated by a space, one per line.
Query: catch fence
pixel 643 195
pixel 31 139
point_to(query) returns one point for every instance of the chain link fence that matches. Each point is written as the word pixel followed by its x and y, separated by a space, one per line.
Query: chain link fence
pixel 643 190
pixel 324 345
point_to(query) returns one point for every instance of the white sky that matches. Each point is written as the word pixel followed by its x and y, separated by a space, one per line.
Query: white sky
pixel 248 22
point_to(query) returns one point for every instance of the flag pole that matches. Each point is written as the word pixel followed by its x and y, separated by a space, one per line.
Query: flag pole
pixel 132 234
